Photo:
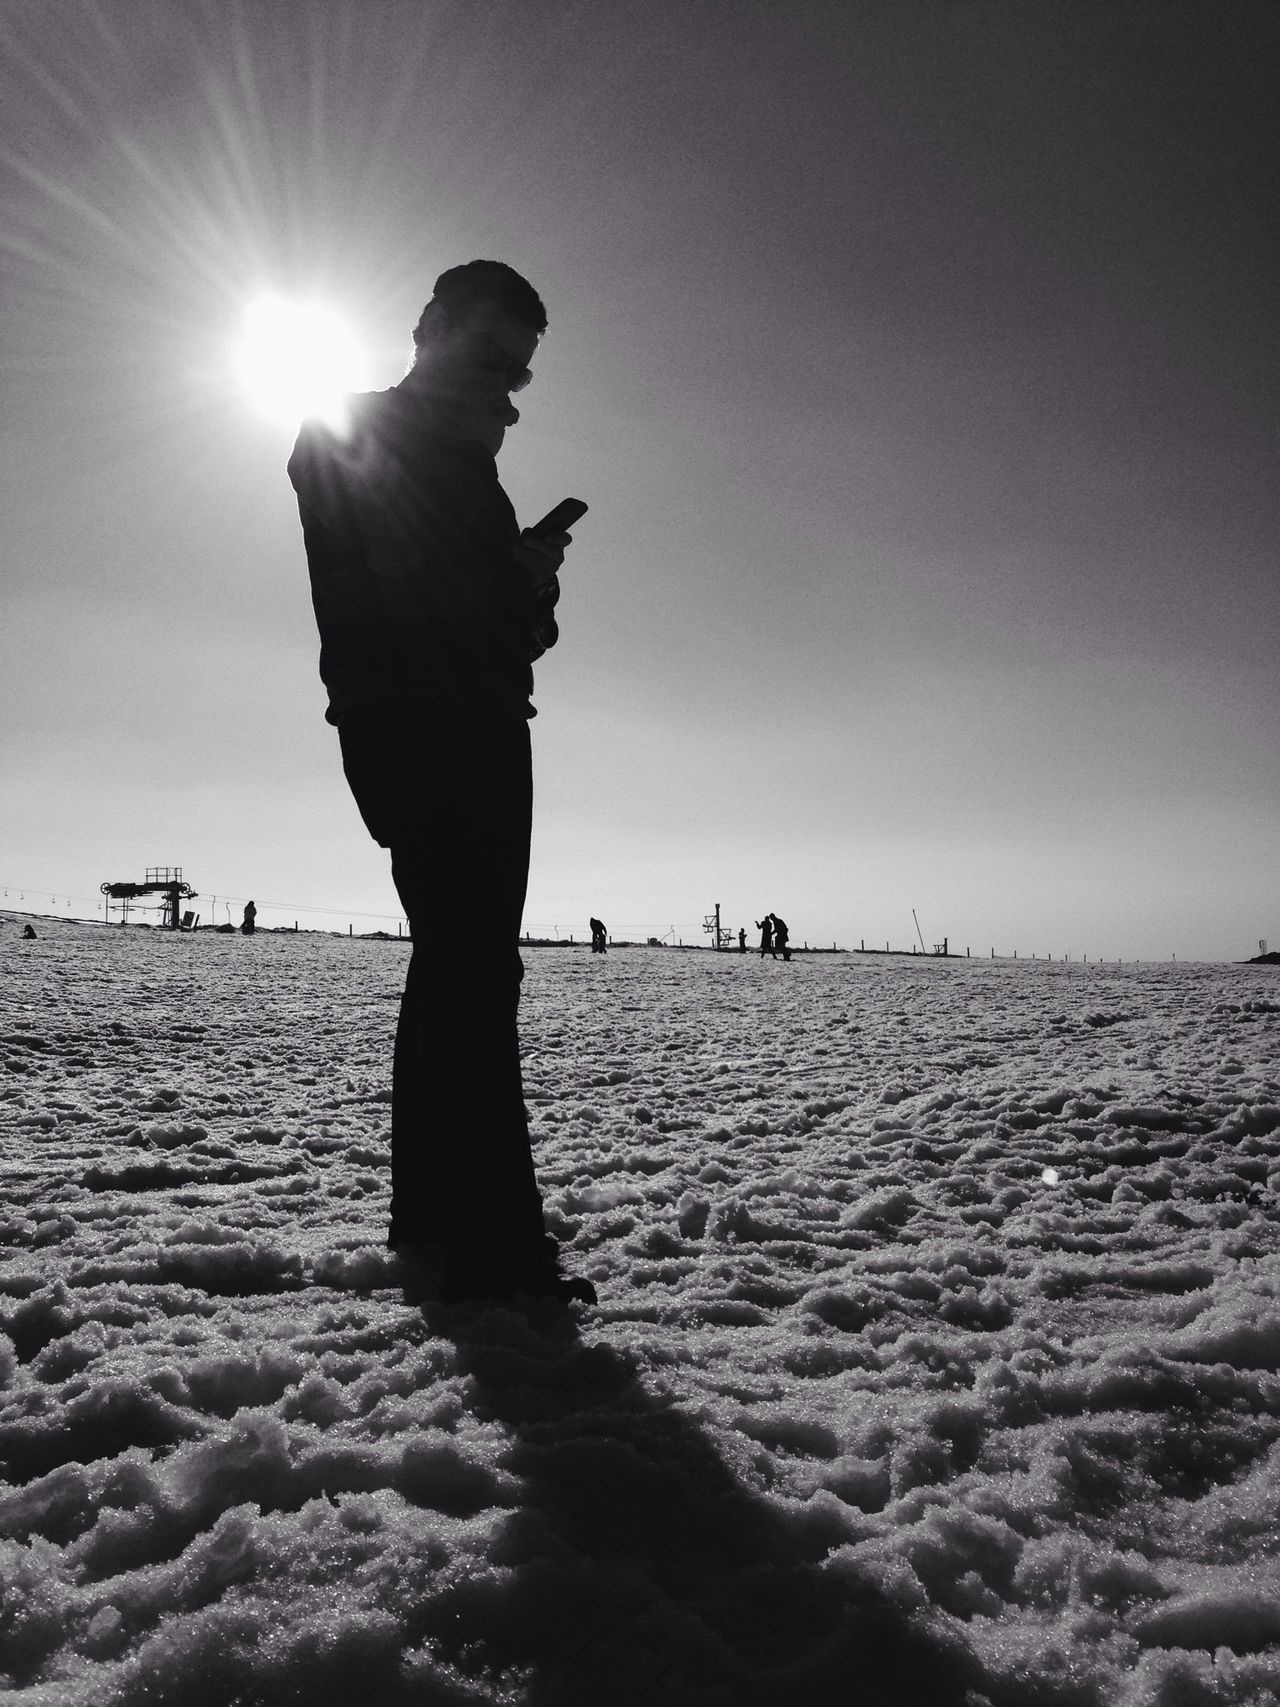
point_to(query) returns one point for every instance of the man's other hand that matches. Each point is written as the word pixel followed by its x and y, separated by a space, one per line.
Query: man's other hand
pixel 539 555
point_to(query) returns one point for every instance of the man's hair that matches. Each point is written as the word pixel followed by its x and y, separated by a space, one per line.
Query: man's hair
pixel 462 288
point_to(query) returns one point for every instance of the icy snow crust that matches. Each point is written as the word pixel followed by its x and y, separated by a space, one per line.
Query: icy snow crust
pixel 870 1409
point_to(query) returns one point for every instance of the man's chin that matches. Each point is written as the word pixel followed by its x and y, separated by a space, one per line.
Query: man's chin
pixel 490 437
pixel 488 431
pixel 487 434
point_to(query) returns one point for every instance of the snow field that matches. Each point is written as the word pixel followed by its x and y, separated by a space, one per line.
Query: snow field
pixel 938 1337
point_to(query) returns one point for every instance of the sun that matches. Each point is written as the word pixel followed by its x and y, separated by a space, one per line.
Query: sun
pixel 296 360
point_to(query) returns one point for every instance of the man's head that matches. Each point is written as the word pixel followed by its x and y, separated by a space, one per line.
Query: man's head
pixel 473 345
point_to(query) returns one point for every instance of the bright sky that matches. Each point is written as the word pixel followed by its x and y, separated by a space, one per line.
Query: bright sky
pixel 918 362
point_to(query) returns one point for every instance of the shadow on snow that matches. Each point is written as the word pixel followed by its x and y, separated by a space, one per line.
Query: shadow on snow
pixel 640 1570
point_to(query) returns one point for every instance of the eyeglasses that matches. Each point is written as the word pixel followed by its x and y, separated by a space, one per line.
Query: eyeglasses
pixel 492 358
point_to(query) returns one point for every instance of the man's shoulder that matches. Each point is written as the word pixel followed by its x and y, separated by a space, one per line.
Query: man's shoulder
pixel 374 425
pixel 359 415
pixel 353 451
pixel 390 452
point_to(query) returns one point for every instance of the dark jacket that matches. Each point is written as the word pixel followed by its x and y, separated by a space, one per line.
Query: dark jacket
pixel 409 538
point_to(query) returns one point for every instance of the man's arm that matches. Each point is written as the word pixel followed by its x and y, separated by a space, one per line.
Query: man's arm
pixel 538 557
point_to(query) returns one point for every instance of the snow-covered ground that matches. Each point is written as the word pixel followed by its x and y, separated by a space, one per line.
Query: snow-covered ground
pixel 936 1348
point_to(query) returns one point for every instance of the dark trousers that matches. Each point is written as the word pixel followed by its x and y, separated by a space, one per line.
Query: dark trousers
pixel 450 793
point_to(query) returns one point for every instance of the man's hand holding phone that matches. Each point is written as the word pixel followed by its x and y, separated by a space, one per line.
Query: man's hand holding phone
pixel 540 549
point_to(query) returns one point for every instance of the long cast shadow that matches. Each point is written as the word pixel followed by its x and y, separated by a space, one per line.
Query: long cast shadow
pixel 640 1568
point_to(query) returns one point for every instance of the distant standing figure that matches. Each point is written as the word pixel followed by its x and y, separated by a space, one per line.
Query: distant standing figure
pixel 29 932
pixel 781 935
pixel 250 915
pixel 599 937
pixel 742 942
pixel 765 927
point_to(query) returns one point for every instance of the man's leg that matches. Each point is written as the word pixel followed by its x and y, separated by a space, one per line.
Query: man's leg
pixel 462 1175
pixel 462 1169
pixel 461 1165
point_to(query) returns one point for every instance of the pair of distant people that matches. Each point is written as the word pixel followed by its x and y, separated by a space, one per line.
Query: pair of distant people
pixel 774 936
pixel 599 937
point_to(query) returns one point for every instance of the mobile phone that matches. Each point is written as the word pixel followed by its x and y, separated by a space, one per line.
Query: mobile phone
pixel 562 518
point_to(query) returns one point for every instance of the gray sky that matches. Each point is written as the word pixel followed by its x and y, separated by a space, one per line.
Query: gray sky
pixel 918 362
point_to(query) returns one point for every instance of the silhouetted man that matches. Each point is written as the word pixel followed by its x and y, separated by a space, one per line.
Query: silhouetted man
pixel 250 919
pixel 765 927
pixel 431 607
pixel 599 937
pixel 781 935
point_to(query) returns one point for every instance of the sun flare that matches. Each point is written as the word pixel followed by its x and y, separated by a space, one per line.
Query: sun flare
pixel 296 360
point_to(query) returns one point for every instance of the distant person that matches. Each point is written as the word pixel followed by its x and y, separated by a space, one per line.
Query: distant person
pixel 742 941
pixel 29 932
pixel 765 927
pixel 432 606
pixel 599 937
pixel 250 919
pixel 781 935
